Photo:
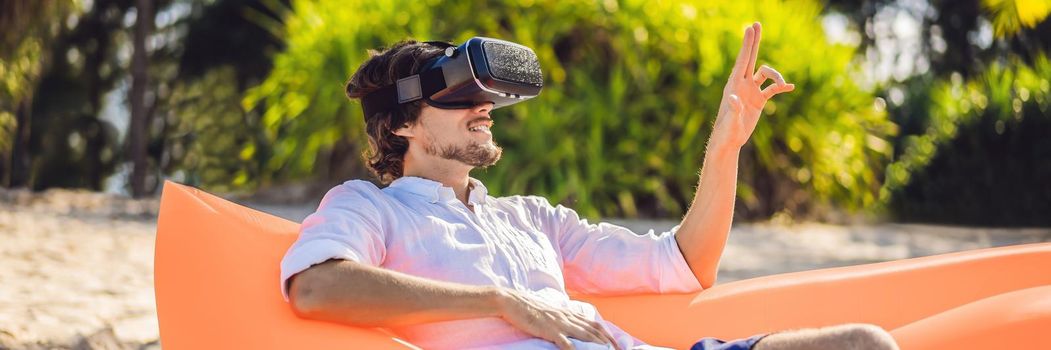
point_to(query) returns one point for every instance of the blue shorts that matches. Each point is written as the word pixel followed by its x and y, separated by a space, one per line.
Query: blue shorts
pixel 717 344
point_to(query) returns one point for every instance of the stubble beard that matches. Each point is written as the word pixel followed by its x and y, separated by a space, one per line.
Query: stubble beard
pixel 473 154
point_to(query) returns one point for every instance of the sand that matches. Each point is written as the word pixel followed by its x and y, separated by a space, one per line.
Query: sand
pixel 76 268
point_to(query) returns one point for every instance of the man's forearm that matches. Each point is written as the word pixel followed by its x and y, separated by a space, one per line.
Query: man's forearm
pixel 703 232
pixel 360 295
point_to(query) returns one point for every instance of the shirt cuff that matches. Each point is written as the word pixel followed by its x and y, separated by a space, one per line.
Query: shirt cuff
pixel 310 253
pixel 678 278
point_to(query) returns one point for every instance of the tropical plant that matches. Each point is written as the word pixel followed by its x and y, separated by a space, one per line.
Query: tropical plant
pixel 631 91
pixel 984 157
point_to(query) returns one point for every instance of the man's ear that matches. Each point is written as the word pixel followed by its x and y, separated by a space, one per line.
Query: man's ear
pixel 404 131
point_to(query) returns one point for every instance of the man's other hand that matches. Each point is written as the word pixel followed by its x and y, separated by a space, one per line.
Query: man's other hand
pixel 544 321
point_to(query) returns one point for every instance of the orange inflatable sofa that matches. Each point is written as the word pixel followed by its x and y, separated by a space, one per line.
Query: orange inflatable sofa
pixel 217 271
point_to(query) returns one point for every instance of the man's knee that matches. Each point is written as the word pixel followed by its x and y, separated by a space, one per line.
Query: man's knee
pixel 845 337
pixel 868 336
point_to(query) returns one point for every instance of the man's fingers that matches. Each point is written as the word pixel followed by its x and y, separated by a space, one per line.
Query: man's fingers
pixel 774 90
pixel 754 50
pixel 779 85
pixel 585 333
pixel 563 343
pixel 599 332
pixel 742 56
pixel 605 334
pixel 765 72
pixel 593 331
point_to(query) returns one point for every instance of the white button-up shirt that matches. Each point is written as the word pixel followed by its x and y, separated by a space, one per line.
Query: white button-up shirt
pixel 417 226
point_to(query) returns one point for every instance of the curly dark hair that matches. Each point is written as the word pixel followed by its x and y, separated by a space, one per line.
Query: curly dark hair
pixel 386 151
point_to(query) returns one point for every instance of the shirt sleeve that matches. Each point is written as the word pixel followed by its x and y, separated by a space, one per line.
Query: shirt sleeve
pixel 347 225
pixel 606 259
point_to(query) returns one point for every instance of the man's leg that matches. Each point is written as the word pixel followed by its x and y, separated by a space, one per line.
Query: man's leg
pixel 841 337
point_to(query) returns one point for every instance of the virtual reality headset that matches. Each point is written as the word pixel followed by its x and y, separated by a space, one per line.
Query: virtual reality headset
pixel 478 71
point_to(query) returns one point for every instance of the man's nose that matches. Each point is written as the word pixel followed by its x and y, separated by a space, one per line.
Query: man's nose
pixel 483 108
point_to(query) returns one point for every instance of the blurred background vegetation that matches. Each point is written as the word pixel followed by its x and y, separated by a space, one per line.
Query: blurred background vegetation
pixel 921 111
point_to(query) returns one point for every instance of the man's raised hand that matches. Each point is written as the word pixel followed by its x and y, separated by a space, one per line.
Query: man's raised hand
pixel 743 97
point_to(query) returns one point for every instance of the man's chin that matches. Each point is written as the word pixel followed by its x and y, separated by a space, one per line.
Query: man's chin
pixel 483 164
pixel 487 164
pixel 474 155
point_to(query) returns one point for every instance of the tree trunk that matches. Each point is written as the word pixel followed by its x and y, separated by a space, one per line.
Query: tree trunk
pixel 138 134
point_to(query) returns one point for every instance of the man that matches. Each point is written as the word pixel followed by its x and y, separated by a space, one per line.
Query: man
pixel 444 265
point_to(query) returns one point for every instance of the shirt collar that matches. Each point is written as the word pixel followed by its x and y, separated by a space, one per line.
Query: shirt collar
pixel 435 191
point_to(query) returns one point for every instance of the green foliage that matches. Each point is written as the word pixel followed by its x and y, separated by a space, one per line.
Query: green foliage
pixel 632 88
pixel 17 73
pixel 20 69
pixel 214 140
pixel 26 30
pixel 1010 16
pixel 983 156
pixel 209 139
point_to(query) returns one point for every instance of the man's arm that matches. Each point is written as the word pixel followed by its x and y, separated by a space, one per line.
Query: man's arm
pixel 702 234
pixel 366 296
pixel 361 295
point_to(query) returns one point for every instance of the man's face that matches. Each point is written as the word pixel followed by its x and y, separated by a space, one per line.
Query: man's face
pixel 458 134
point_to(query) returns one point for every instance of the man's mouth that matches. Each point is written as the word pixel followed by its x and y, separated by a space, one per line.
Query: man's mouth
pixel 481 125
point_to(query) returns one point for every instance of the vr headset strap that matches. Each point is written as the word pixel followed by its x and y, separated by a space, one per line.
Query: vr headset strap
pixel 405 90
